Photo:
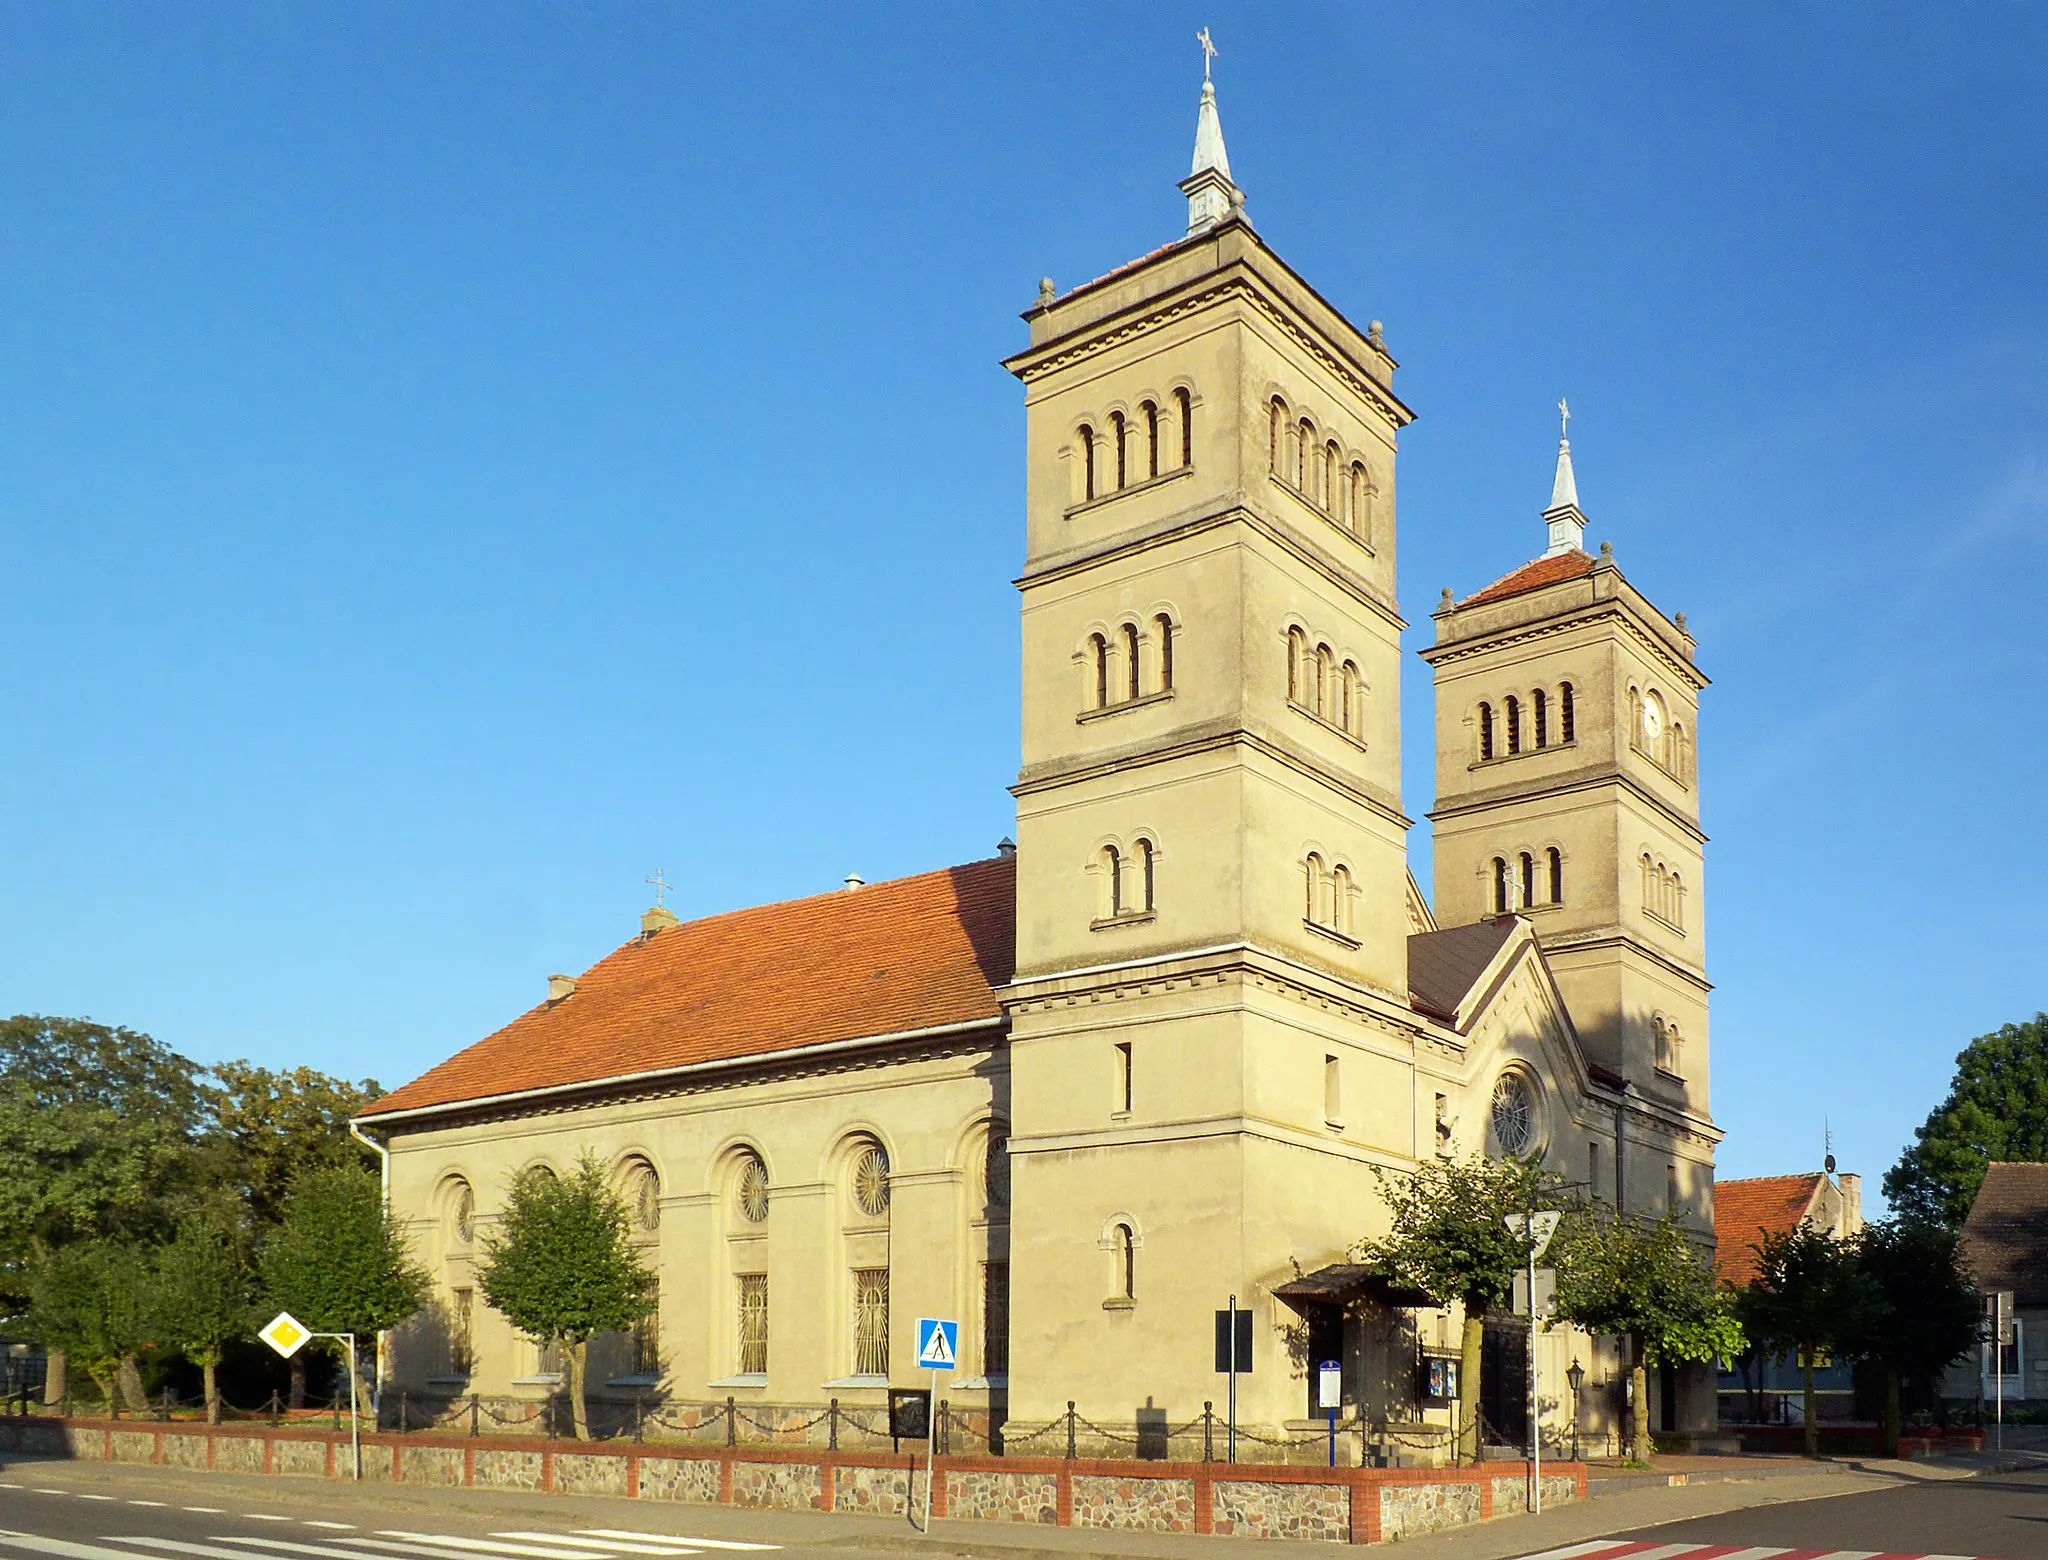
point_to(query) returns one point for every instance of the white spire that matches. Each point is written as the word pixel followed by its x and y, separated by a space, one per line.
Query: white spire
pixel 1567 524
pixel 1211 195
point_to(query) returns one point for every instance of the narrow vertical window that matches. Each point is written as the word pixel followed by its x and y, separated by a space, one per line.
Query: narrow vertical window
pixel 1086 435
pixel 1324 660
pixel 1513 706
pixel 1146 858
pixel 1361 503
pixel 1304 443
pixel 1340 900
pixel 1297 656
pixel 1277 421
pixel 1500 885
pixel 1185 405
pixel 1528 866
pixel 1354 700
pixel 1151 439
pixel 1564 712
pixel 1119 433
pixel 753 1296
pixel 1592 1170
pixel 1333 1096
pixel 871 1321
pixel 1124 1263
pixel 1556 876
pixel 461 1334
pixel 995 1318
pixel 1541 701
pixel 1313 910
pixel 1113 872
pixel 1162 625
pixel 1098 649
pixel 1332 503
pixel 1123 1077
pixel 1486 731
pixel 1131 681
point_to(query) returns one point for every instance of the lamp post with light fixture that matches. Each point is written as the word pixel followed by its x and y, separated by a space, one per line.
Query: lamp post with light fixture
pixel 1576 1376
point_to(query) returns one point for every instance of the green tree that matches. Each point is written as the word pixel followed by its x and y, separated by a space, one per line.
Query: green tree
pixel 1997 1108
pixel 98 1126
pixel 203 1295
pixel 1644 1279
pixel 1809 1298
pixel 1449 1238
pixel 562 1268
pixel 339 1262
pixel 95 1300
pixel 270 1127
pixel 1920 1312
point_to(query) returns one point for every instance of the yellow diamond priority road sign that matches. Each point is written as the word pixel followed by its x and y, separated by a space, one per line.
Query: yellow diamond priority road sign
pixel 285 1334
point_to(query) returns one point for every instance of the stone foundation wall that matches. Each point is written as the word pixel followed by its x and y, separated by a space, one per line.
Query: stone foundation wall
pixel 1266 1500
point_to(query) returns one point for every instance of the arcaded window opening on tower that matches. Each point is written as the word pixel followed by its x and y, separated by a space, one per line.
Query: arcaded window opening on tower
pixel 1539 707
pixel 1123 1264
pixel 1119 434
pixel 1500 885
pixel 1485 731
pixel 1528 866
pixel 1098 653
pixel 1151 415
pixel 1297 655
pixel 1086 436
pixel 1162 625
pixel 1564 713
pixel 1513 706
pixel 1132 675
pixel 1556 876
pixel 1184 403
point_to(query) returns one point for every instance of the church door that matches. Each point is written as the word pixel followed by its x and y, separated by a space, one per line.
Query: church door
pixel 1504 1380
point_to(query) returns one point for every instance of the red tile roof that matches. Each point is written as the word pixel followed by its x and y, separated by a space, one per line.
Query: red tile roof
pixel 1534 576
pixel 915 953
pixel 1744 1211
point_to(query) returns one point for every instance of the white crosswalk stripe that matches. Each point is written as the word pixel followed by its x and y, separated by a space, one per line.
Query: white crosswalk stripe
pixel 608 1546
pixel 477 1546
pixel 37 1544
pixel 672 1538
pixel 1625 1549
pixel 178 1546
pixel 283 1546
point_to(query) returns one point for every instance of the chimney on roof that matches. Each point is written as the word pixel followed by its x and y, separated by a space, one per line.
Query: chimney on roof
pixel 1006 848
pixel 1852 1202
pixel 854 880
pixel 561 987
pixel 657 918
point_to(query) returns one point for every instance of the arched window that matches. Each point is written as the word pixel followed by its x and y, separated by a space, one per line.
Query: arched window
pixel 1331 495
pixel 1304 444
pixel 1556 876
pixel 643 1196
pixel 995 1171
pixel 1314 872
pixel 1120 433
pixel 1512 1114
pixel 1636 722
pixel 1130 660
pixel 1352 717
pixel 1680 751
pixel 1146 857
pixel 1361 502
pixel 1086 435
pixel 1113 880
pixel 1486 731
pixel 1340 899
pixel 1151 438
pixel 1123 1249
pixel 1528 864
pixel 1513 706
pixel 1541 701
pixel 1297 663
pixel 1564 713
pixel 1500 885
pixel 1185 405
pixel 750 1189
pixel 1325 669
pixel 462 1212
pixel 1678 901
pixel 1278 423
pixel 1162 625
pixel 1098 650
pixel 868 1183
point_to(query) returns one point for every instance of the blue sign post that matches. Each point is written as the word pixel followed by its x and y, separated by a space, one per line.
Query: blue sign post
pixel 938 1348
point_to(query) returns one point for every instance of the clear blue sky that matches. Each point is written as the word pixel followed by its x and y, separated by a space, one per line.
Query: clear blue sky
pixel 456 459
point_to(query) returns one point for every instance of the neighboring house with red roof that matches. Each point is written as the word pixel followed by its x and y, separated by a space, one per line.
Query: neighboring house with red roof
pixel 1081 1093
pixel 1748 1212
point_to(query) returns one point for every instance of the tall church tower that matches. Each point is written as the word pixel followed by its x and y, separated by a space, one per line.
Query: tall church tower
pixel 1211 858
pixel 1567 719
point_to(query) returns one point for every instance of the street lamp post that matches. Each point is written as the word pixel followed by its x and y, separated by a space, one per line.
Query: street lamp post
pixel 1576 1376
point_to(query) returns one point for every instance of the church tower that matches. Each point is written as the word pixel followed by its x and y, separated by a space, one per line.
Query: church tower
pixel 1211 856
pixel 1567 720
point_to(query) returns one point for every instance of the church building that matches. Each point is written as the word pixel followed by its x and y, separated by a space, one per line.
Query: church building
pixel 1144 1064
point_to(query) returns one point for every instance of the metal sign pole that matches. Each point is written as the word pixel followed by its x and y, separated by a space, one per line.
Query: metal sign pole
pixel 1535 1429
pixel 355 1424
pixel 1233 1379
pixel 931 1447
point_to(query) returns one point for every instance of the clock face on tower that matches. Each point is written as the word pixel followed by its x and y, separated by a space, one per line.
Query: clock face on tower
pixel 1653 721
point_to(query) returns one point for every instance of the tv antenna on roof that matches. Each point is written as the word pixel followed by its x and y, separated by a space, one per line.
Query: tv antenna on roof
pixel 1828 1141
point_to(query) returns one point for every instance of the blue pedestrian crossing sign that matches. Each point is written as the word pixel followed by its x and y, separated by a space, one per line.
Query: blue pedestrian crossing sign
pixel 938 1344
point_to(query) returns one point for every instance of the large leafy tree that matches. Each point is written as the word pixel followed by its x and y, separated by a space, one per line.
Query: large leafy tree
pixel 96 1300
pixel 1450 1238
pixel 339 1262
pixel 203 1294
pixel 98 1127
pixel 1644 1279
pixel 1997 1108
pixel 1920 1312
pixel 1809 1298
pixel 270 1127
pixel 562 1268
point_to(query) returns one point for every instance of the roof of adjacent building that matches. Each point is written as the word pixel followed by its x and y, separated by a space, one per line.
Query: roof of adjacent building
pixel 1442 965
pixel 1534 576
pixel 2005 1238
pixel 916 953
pixel 1746 1211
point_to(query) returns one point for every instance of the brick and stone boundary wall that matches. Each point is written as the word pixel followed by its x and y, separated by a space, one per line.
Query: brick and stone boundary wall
pixel 1248 1500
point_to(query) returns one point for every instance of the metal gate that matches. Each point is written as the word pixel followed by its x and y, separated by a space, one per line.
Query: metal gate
pixel 1504 1380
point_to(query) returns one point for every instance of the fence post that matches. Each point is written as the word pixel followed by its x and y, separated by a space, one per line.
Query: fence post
pixel 337 1410
pixel 732 1421
pixel 273 1409
pixel 1070 1429
pixel 945 1441
pixel 472 1415
pixel 639 1420
pixel 832 1426
pixel 163 1412
pixel 1208 1430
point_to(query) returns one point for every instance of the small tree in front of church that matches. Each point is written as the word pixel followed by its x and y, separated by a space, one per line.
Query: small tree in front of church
pixel 562 1268
pixel 1450 1238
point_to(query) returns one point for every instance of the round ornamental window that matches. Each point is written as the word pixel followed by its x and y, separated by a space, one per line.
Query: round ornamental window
pixel 753 1191
pixel 871 1181
pixel 1513 1114
pixel 465 1216
pixel 995 1171
pixel 646 1198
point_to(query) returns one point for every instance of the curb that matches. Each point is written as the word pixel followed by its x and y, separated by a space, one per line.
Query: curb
pixel 1625 1483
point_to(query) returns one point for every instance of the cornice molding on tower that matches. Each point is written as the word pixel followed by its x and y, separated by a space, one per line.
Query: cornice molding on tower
pixel 1578 616
pixel 1237 508
pixel 1694 975
pixel 1584 780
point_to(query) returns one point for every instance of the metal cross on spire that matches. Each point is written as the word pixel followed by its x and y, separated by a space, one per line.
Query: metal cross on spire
pixel 661 886
pixel 1564 419
pixel 1208 50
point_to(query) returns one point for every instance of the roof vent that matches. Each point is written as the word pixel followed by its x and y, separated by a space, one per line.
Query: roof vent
pixel 561 987
pixel 855 880
pixel 1006 847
